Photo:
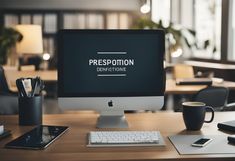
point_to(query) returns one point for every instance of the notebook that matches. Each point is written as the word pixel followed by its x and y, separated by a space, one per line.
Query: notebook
pixel 228 126
pixel 193 81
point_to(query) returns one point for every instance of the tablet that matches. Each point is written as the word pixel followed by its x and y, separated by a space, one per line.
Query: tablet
pixel 38 138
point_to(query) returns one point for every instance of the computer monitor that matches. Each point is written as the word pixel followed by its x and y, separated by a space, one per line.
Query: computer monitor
pixel 111 71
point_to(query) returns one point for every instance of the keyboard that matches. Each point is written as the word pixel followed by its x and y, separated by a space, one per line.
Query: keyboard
pixel 123 138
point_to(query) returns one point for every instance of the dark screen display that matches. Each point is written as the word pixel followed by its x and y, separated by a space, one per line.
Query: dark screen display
pixel 111 63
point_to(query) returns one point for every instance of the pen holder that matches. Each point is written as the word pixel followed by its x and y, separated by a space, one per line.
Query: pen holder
pixel 30 110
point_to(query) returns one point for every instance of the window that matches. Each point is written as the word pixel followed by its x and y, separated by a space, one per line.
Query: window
pixel 203 16
pixel 231 34
pixel 208 28
pixel 161 11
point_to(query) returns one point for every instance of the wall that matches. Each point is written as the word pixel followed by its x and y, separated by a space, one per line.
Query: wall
pixel 129 5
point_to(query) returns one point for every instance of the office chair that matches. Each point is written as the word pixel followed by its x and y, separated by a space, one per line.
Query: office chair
pixel 213 96
pixel 8 99
pixel 183 71
pixel 3 82
pixel 28 68
pixel 10 74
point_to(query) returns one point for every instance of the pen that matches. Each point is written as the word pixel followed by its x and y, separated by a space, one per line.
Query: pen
pixel 40 86
pixel 34 88
pixel 27 86
pixel 21 88
pixel 18 87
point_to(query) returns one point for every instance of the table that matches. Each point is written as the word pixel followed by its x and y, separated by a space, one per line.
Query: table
pixel 210 65
pixel 46 76
pixel 172 88
pixel 72 145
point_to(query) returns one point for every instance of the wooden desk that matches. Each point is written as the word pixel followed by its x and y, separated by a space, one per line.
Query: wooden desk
pixel 172 88
pixel 47 76
pixel 210 65
pixel 72 145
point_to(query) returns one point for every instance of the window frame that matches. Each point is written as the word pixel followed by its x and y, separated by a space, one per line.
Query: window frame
pixel 224 37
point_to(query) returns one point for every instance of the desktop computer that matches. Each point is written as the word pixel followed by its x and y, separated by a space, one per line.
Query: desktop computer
pixel 111 71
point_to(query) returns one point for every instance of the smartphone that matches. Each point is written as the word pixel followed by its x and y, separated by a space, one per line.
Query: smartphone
pixel 201 142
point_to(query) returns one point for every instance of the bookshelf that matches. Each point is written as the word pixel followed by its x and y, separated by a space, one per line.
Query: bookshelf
pixel 53 20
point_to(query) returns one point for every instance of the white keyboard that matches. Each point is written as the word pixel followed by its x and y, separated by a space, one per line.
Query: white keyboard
pixel 126 138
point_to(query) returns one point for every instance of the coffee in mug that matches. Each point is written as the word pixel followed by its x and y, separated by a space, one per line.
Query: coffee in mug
pixel 194 114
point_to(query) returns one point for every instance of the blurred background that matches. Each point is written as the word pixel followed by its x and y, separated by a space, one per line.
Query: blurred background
pixel 201 29
pixel 199 33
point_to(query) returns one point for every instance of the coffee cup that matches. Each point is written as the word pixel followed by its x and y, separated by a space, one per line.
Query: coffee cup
pixel 194 114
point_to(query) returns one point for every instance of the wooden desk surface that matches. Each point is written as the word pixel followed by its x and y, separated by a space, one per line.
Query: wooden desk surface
pixel 47 76
pixel 72 145
pixel 172 88
pixel 210 65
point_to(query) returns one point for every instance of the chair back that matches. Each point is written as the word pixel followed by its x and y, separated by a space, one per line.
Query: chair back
pixel 27 68
pixel 213 96
pixel 11 74
pixel 183 71
pixel 3 82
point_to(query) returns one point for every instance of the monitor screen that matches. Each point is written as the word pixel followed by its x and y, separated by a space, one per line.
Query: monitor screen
pixel 111 63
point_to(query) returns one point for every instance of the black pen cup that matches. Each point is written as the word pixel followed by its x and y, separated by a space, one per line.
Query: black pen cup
pixel 30 110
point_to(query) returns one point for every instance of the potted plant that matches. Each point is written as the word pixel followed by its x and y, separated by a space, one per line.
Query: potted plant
pixel 8 39
pixel 175 35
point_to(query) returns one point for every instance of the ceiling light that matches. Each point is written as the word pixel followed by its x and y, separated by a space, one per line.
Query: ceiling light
pixel 145 8
pixel 46 56
pixel 177 53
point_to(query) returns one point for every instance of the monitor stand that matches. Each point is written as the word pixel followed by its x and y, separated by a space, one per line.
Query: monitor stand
pixel 112 119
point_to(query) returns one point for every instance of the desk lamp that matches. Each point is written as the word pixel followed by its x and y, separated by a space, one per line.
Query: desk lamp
pixel 31 44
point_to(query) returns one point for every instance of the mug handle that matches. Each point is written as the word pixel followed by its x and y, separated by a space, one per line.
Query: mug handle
pixel 212 114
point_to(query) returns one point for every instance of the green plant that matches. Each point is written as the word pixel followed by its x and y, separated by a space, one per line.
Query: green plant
pixel 8 39
pixel 175 34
